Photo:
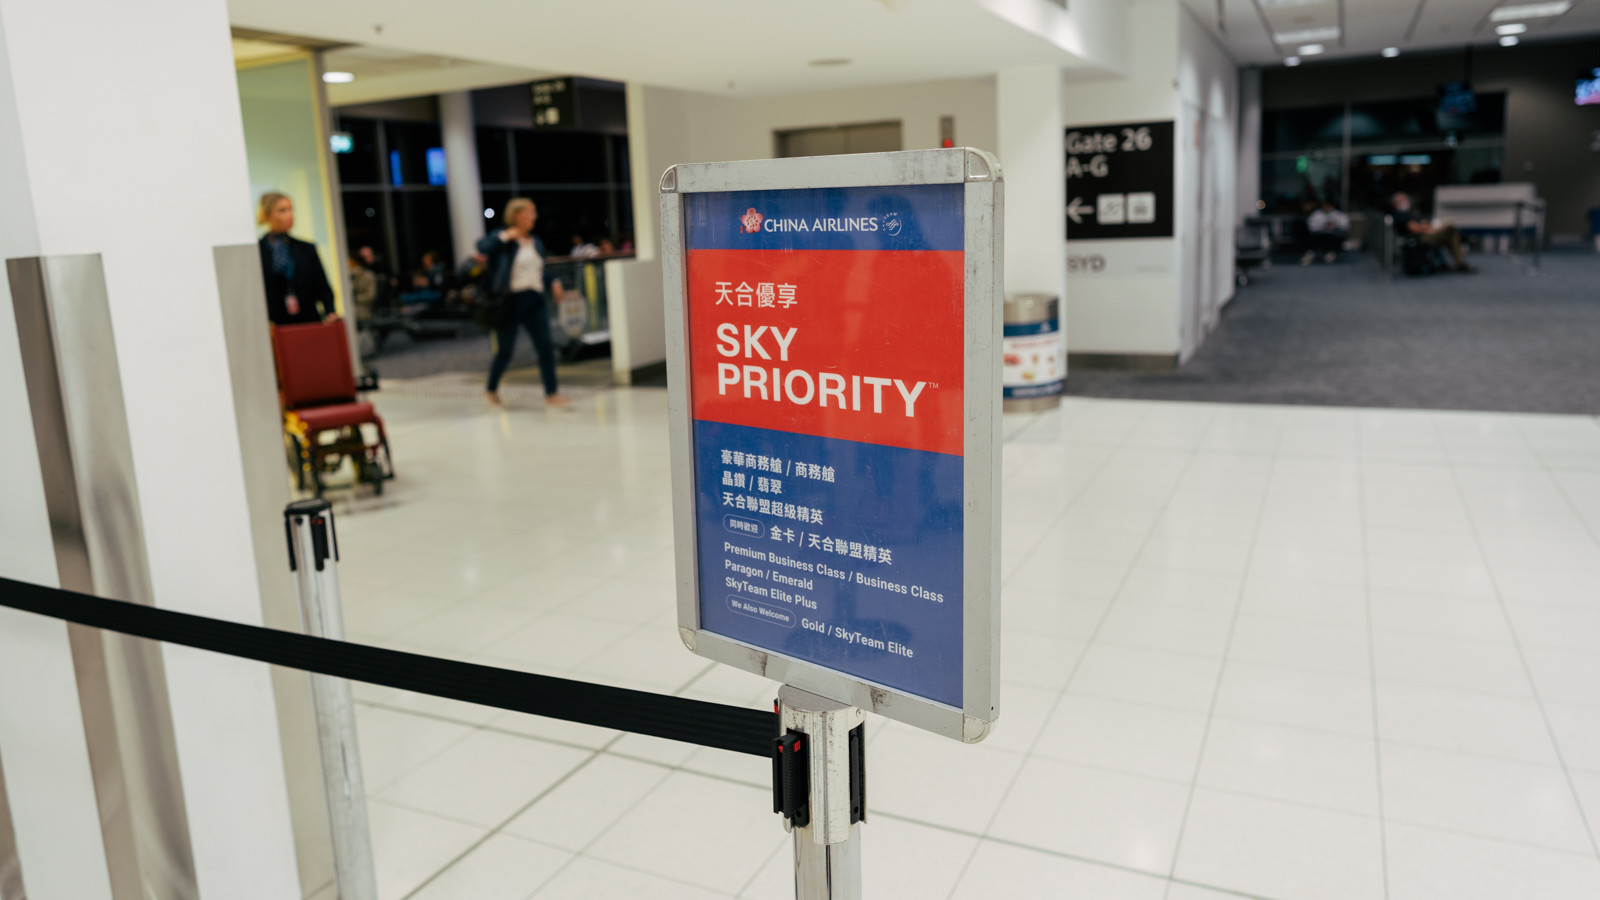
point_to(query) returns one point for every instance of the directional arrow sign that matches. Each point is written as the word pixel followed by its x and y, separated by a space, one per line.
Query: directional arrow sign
pixel 1075 209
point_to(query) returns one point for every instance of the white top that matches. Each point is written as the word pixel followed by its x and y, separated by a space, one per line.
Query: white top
pixel 1329 220
pixel 527 269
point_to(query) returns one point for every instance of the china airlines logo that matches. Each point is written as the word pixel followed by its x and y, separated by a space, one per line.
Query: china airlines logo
pixel 751 220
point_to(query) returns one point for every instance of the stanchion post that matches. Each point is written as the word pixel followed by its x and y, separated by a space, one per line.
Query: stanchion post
pixel 313 556
pixel 827 836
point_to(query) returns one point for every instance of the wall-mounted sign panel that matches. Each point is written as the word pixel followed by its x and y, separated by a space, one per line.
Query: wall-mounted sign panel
pixel 555 103
pixel 1119 181
pixel 834 368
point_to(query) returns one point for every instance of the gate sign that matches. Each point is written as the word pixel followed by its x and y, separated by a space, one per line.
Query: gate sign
pixel 1119 181
pixel 834 369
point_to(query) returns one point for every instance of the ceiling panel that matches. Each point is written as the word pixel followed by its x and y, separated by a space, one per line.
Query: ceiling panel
pixel 724 46
pixel 1366 27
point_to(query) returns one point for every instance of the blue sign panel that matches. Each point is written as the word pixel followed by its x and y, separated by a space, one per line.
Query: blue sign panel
pixel 827 375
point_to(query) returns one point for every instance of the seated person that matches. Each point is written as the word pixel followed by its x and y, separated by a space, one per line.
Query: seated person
pixel 582 249
pixel 1329 227
pixel 1443 236
pixel 428 283
pixel 363 289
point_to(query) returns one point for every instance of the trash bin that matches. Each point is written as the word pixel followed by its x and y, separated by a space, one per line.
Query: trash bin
pixel 1034 353
pixel 1594 227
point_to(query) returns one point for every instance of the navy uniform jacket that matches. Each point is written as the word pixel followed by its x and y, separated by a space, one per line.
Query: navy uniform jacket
pixel 305 279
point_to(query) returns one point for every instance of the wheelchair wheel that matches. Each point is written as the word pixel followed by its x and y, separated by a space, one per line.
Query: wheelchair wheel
pixel 382 465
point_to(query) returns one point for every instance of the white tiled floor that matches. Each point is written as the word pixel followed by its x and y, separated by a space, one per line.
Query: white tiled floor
pixel 1249 651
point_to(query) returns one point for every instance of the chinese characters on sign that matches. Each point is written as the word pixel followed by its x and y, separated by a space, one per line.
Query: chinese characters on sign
pixel 766 294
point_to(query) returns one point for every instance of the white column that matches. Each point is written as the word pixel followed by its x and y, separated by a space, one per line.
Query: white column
pixel 658 137
pixel 1249 146
pixel 160 75
pixel 1028 123
pixel 49 785
pixel 463 184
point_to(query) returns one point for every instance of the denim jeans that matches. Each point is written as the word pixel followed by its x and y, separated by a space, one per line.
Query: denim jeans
pixel 524 309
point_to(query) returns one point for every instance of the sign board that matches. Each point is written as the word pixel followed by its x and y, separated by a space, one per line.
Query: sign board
pixel 833 332
pixel 555 103
pixel 1119 181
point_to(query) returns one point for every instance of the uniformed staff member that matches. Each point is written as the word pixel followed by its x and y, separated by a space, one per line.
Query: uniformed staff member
pixel 297 287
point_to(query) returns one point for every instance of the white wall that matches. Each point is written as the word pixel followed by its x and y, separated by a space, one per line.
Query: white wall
pixel 1161 296
pixel 1028 118
pixel 1208 128
pixel 667 126
pixel 1130 306
pixel 732 128
pixel 159 75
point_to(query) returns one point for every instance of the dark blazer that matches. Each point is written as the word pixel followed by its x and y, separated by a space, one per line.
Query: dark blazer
pixel 310 284
pixel 497 270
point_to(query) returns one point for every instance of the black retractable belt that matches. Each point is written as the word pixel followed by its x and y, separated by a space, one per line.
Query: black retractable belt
pixel 717 725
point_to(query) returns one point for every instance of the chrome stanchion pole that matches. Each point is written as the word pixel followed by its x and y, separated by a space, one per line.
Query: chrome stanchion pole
pixel 313 555
pixel 827 846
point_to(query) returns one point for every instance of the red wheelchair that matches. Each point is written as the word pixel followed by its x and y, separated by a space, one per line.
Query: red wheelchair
pixel 324 420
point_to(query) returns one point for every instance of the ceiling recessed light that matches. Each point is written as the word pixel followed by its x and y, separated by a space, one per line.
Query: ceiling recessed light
pixel 839 61
pixel 1307 35
pixel 1292 61
pixel 1529 11
pixel 1391 52
pixel 1280 4
pixel 1312 49
pixel 338 77
pixel 1510 40
pixel 1513 28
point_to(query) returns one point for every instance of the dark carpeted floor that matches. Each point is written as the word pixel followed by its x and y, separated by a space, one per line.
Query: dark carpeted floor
pixel 1505 339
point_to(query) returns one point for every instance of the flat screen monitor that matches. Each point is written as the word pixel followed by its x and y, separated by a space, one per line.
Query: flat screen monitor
pixel 1457 99
pixel 1588 93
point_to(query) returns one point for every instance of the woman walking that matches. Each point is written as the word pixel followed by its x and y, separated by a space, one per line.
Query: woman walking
pixel 516 274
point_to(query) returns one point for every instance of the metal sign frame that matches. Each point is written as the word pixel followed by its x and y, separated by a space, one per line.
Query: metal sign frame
pixel 983 196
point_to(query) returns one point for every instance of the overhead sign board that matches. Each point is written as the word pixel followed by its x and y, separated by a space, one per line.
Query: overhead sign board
pixel 555 103
pixel 834 369
pixel 1119 181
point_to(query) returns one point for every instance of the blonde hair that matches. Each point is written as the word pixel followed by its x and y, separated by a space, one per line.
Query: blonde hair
pixel 515 207
pixel 269 202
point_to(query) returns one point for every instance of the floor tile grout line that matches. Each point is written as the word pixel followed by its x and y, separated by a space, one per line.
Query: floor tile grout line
pixel 1561 489
pixel 1043 532
pixel 1222 668
pixel 471 848
pixel 749 882
pixel 680 767
pixel 1372 670
pixel 1062 854
pixel 1155 524
pixel 594 754
pixel 1527 668
pixel 582 851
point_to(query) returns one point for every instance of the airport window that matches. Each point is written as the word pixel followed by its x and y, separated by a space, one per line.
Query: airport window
pixel 1359 154
pixel 390 202
pixel 579 179
pixel 865 137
